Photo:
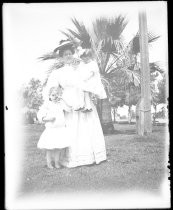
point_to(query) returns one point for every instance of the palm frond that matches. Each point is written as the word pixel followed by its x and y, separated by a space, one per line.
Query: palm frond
pixel 99 28
pixel 81 34
pixel 109 31
pixel 116 26
pixel 67 35
pixel 48 56
pixel 134 45
pixel 75 34
pixel 79 26
pixel 132 77
pixel 75 42
pixel 154 67
pixel 106 83
pixel 152 37
pixel 110 46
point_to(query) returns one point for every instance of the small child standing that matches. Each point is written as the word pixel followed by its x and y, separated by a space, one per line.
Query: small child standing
pixel 56 136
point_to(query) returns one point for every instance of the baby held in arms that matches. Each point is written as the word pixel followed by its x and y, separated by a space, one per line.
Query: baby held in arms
pixel 85 83
pixel 89 79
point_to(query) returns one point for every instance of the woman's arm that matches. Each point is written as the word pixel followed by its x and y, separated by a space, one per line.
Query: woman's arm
pixel 42 114
pixel 89 76
pixel 65 106
pixel 48 119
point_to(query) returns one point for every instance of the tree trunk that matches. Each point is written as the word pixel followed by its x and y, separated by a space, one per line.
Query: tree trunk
pixel 154 116
pixel 104 110
pixel 106 62
pixel 129 105
pixel 145 109
pixel 114 114
pixel 129 114
pixel 137 116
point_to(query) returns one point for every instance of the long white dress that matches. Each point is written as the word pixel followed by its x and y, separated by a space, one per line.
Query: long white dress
pixel 56 134
pixel 87 140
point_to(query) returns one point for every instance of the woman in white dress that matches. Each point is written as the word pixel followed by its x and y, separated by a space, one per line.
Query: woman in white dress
pixel 87 140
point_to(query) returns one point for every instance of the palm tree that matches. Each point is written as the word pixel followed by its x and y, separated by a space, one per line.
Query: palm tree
pixel 112 55
pixel 105 39
pixel 132 51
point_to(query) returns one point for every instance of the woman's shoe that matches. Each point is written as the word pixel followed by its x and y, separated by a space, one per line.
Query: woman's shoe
pixel 49 165
pixel 57 165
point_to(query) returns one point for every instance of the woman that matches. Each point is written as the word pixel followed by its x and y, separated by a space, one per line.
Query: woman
pixel 87 140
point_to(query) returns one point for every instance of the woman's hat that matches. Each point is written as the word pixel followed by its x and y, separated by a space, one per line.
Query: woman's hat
pixel 63 44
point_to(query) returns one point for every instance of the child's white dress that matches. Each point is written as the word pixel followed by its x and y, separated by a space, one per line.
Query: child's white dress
pixel 56 135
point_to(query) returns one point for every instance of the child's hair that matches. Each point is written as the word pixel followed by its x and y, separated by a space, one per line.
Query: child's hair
pixel 58 89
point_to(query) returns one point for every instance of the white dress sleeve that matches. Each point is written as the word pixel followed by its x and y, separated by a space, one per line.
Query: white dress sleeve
pixel 65 106
pixel 94 84
pixel 94 67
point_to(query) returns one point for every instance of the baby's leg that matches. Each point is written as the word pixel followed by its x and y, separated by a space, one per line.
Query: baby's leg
pixel 49 158
pixel 57 153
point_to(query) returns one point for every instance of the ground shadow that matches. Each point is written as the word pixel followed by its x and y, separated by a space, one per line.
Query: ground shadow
pixel 126 132
pixel 126 128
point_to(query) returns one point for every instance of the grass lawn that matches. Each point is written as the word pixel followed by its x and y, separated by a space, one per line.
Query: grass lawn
pixel 133 163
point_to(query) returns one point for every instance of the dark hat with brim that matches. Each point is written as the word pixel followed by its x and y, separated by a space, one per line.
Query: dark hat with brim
pixel 63 45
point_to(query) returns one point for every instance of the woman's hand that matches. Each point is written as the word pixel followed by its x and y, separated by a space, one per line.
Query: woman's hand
pixel 48 119
pixel 94 99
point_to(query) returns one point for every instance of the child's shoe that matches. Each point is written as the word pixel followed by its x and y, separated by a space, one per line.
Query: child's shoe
pixel 57 165
pixel 49 165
